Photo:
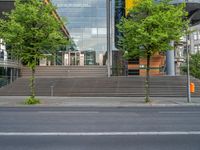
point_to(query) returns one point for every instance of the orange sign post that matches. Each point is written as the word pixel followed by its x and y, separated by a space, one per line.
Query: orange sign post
pixel 192 87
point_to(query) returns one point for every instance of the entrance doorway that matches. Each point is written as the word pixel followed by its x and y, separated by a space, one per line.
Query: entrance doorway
pixel 80 58
pixel 71 58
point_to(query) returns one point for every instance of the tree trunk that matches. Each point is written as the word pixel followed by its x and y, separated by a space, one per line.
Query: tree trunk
pixel 147 90
pixel 54 58
pixel 32 85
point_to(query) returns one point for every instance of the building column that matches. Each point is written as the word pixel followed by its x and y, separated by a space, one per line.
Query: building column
pixel 170 64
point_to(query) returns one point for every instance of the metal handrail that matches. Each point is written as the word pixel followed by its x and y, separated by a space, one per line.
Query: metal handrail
pixel 5 80
pixel 9 63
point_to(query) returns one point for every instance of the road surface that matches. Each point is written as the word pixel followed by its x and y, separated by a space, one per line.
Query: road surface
pixel 136 128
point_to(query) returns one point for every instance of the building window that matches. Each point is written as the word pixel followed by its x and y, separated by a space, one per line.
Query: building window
pixel 134 61
pixel 196 48
pixel 133 72
pixel 196 35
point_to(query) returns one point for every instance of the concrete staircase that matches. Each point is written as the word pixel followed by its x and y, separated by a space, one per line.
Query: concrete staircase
pixel 66 71
pixel 162 86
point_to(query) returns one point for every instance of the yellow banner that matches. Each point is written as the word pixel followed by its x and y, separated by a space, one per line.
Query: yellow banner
pixel 129 4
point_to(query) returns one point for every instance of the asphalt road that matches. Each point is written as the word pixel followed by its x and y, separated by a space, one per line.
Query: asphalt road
pixel 137 128
pixel 101 143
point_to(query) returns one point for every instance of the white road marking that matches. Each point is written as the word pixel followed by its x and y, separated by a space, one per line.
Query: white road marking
pixel 68 112
pixel 96 133
pixel 179 112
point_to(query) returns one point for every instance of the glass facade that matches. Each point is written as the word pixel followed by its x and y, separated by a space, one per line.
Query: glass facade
pixel 86 23
pixel 8 75
pixel 119 13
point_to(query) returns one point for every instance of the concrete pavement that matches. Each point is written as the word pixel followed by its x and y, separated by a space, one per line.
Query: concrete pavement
pixel 46 101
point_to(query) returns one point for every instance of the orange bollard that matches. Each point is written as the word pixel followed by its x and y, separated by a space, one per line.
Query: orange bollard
pixel 192 88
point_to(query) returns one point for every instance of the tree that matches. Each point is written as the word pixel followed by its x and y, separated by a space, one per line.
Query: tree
pixel 194 65
pixel 149 28
pixel 31 30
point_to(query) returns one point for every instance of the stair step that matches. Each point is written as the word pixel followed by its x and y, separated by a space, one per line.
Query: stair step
pixel 102 86
pixel 66 71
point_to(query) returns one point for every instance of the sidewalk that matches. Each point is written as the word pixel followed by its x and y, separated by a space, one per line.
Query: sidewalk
pixel 46 101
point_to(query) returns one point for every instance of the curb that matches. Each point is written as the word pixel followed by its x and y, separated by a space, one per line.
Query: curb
pixel 104 105
pixel 16 101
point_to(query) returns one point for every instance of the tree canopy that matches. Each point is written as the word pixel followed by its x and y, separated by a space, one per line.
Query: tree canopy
pixel 31 29
pixel 149 28
pixel 194 65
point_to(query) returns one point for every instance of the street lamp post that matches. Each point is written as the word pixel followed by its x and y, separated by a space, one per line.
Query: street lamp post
pixel 188 71
pixel 108 9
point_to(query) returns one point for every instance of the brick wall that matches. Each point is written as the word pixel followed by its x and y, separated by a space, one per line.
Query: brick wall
pixel 156 63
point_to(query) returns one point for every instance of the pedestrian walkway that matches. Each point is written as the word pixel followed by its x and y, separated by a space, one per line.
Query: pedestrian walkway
pixel 17 101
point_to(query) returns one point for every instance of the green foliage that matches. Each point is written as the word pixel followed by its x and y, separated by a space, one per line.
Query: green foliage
pixel 31 30
pixel 31 101
pixel 149 29
pixel 194 66
pixel 151 26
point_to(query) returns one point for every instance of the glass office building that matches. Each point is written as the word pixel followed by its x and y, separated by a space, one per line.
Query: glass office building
pixel 86 23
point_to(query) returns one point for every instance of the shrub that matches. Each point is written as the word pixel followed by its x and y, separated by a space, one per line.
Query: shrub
pixel 32 100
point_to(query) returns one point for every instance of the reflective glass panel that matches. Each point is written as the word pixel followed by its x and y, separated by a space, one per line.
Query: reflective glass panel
pixel 86 22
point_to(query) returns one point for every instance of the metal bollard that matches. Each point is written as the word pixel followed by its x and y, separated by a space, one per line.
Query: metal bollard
pixel 52 90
